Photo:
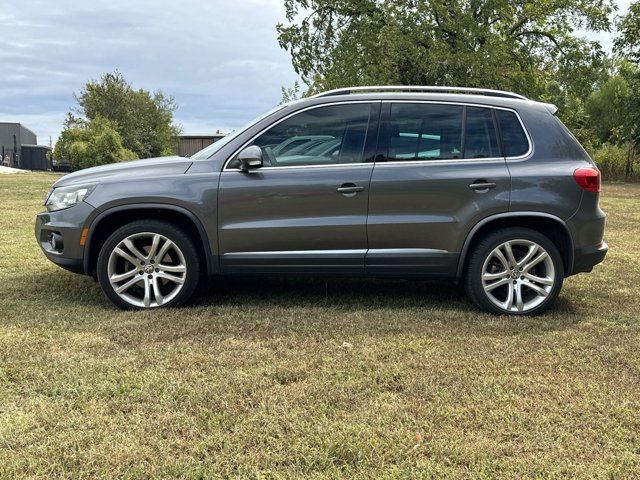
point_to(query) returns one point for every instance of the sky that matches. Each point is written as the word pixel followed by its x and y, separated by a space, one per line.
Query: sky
pixel 219 59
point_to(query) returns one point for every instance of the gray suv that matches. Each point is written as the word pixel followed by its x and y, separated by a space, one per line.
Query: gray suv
pixel 478 186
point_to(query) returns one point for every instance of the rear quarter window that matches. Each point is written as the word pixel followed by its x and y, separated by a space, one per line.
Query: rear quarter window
pixel 551 139
pixel 571 145
pixel 514 140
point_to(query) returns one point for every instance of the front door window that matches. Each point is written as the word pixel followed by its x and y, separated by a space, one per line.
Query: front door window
pixel 328 135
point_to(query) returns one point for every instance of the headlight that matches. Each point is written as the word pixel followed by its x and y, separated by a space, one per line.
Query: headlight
pixel 65 197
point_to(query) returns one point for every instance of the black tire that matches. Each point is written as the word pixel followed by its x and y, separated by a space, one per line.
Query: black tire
pixel 474 269
pixel 171 232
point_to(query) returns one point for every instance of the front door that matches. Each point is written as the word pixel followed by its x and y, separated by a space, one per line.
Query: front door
pixel 305 209
pixel 441 170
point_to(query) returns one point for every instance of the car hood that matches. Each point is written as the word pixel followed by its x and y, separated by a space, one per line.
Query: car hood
pixel 151 167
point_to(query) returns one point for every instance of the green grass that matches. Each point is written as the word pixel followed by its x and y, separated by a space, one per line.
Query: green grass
pixel 313 378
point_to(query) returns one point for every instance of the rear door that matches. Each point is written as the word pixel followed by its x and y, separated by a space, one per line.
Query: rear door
pixel 439 170
pixel 305 210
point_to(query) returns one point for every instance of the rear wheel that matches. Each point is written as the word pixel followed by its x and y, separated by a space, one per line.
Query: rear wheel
pixel 514 271
pixel 148 264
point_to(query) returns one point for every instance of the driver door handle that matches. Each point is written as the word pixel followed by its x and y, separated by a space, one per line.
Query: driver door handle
pixel 347 188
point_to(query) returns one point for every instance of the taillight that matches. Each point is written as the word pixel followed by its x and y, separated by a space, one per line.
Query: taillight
pixel 588 178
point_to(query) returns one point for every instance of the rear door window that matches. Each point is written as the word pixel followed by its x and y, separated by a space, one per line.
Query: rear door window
pixel 423 131
pixel 427 131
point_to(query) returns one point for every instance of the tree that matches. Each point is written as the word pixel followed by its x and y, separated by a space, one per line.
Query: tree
pixel 627 47
pixel 607 108
pixel 614 112
pixel 522 46
pixel 291 94
pixel 144 120
pixel 627 43
pixel 89 143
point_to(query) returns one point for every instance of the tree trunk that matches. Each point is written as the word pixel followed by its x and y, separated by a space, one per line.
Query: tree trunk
pixel 630 154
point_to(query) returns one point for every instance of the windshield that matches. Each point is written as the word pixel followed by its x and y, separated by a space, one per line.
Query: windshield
pixel 214 147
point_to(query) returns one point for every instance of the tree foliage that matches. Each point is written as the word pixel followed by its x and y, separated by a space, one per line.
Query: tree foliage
pixel 88 143
pixel 143 119
pixel 291 94
pixel 614 119
pixel 627 44
pixel 117 122
pixel 521 46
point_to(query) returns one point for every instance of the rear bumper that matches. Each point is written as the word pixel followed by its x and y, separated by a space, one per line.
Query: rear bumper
pixel 585 258
pixel 587 231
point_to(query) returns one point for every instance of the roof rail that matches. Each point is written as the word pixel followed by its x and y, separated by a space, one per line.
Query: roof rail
pixel 420 88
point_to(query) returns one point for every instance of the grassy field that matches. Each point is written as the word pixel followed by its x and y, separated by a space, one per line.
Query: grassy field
pixel 314 378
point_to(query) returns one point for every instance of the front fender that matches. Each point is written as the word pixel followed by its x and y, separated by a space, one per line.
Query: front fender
pixel 212 265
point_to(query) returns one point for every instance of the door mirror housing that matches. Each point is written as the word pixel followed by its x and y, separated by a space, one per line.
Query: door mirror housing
pixel 250 158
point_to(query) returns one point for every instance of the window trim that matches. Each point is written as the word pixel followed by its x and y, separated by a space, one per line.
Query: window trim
pixel 376 160
pixel 464 160
pixel 286 117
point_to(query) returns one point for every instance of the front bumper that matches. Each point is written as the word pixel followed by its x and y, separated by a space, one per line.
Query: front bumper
pixel 65 227
pixel 585 258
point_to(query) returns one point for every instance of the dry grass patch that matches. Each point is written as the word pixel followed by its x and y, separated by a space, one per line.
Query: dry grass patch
pixel 315 378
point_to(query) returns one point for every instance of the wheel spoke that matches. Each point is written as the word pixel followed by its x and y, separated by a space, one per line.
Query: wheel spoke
pixel 539 290
pixel 509 252
pixel 125 286
pixel 147 294
pixel 500 256
pixel 487 277
pixel 172 268
pixel 171 278
pixel 543 255
pixel 132 248
pixel 125 255
pixel 532 251
pixel 519 302
pixel 508 303
pixel 497 284
pixel 156 291
pixel 119 277
pixel 154 247
pixel 163 251
pixel 540 280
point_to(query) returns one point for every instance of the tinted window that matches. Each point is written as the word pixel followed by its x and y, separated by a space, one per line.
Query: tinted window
pixel 319 136
pixel 425 132
pixel 480 140
pixel 514 140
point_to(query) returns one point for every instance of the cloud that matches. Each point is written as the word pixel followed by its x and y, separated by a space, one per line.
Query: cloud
pixel 220 59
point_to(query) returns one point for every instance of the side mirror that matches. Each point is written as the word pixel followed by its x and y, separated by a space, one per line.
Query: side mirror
pixel 250 158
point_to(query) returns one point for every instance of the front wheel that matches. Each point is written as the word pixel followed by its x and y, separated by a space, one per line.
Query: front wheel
pixel 148 264
pixel 514 271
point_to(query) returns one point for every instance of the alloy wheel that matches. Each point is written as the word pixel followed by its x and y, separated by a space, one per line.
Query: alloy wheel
pixel 518 275
pixel 147 269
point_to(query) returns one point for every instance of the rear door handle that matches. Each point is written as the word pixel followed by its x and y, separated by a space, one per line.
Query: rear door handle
pixel 349 188
pixel 482 185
